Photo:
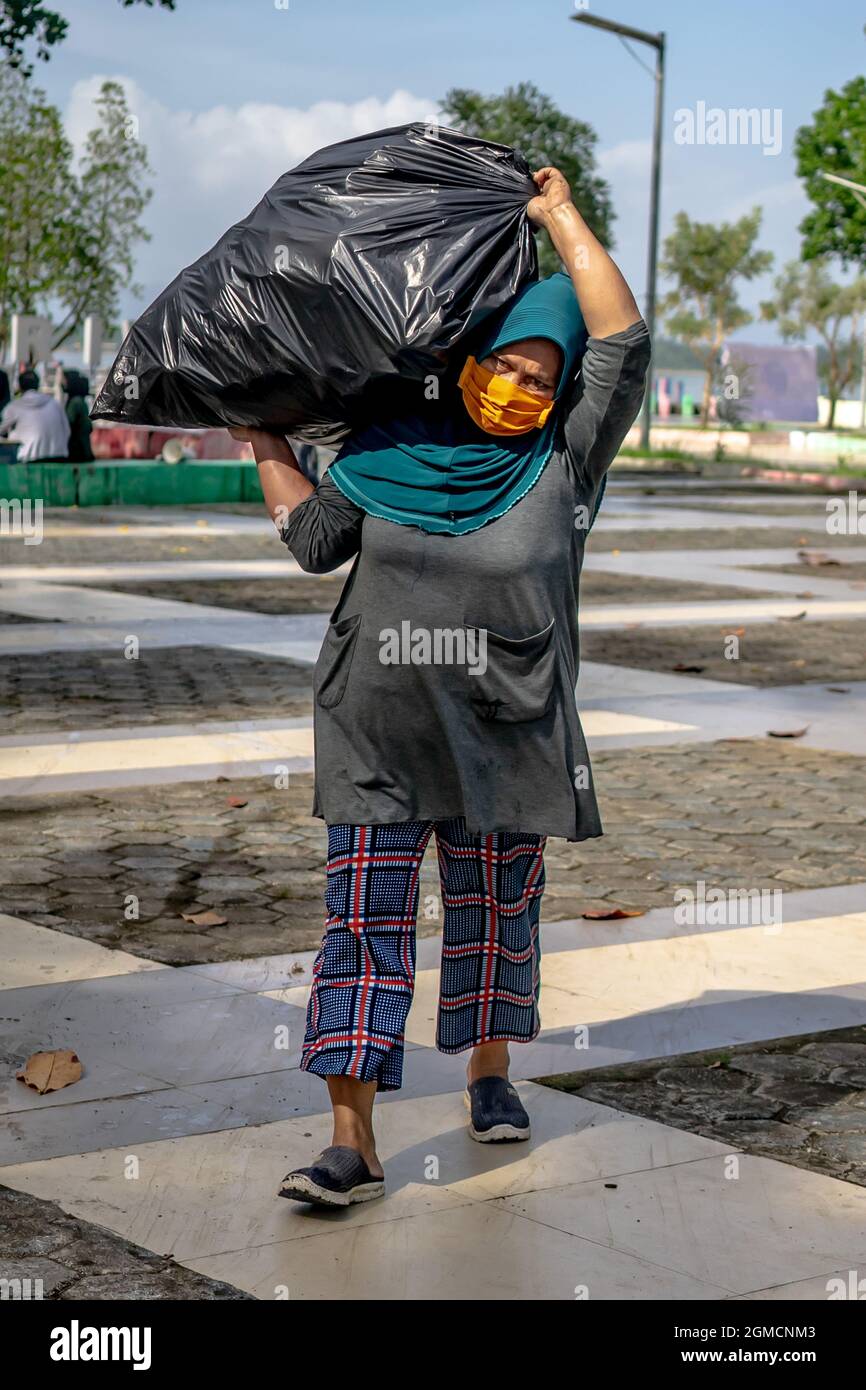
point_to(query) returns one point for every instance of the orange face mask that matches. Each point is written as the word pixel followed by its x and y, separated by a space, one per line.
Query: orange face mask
pixel 497 405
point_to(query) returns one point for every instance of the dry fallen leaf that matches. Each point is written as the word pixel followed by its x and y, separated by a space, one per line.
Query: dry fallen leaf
pixel 51 1071
pixel 205 919
pixel 791 617
pixel 612 914
pixel 236 801
pixel 788 733
pixel 797 661
pixel 807 593
pixel 839 689
pixel 732 631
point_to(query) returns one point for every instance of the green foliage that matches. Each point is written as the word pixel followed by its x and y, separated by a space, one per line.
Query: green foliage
pixel 706 261
pixel 526 119
pixel 36 189
pixel 22 21
pixel 66 234
pixel 835 142
pixel 809 299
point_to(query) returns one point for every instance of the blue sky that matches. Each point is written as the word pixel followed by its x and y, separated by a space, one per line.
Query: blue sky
pixel 231 92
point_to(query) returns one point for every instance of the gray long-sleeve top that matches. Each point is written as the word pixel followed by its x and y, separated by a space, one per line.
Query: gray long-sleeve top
pixel 445 683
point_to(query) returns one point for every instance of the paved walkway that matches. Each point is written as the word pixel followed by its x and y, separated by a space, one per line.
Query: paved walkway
pixel 192 1105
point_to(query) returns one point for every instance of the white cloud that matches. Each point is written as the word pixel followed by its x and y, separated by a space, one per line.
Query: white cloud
pixel 630 157
pixel 211 167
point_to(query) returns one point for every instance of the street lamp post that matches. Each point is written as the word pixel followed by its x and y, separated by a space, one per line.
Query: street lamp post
pixel 656 41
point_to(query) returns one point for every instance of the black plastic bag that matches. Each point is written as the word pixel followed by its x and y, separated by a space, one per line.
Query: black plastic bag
pixel 356 267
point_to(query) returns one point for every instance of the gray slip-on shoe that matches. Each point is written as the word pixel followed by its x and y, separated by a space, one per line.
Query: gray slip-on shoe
pixel 337 1178
pixel 496 1113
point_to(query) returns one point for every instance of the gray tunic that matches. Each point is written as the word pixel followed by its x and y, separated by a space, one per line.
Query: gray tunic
pixel 445 683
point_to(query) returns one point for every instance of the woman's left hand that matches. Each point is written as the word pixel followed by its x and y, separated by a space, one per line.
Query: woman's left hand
pixel 264 444
pixel 553 193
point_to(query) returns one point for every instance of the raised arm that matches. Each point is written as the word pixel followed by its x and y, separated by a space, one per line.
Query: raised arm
pixel 606 302
pixel 608 392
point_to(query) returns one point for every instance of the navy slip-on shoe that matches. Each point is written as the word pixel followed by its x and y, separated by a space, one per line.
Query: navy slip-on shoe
pixel 337 1178
pixel 496 1113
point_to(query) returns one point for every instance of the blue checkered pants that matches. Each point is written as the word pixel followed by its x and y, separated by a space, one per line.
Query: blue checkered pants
pixel 364 972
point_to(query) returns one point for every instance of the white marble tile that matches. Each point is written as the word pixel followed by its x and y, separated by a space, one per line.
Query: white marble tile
pixel 75 1126
pixel 714 611
pixel 103 1079
pixel 677 986
pixel 209 1193
pixel 838 1285
pixel 741 1222
pixel 574 1137
pixel 34 955
pixel 599 681
pixel 77 762
pixel 470 1254
pixel 173 1026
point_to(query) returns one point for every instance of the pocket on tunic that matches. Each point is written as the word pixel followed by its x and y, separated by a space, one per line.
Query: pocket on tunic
pixel 515 676
pixel 335 659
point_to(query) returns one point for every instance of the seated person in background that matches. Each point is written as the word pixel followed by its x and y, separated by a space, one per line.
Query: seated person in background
pixel 36 422
pixel 76 386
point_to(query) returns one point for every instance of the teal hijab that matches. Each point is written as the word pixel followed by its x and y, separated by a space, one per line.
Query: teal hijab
pixel 442 472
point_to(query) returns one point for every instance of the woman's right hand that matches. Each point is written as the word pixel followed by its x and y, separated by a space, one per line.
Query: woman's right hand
pixel 553 192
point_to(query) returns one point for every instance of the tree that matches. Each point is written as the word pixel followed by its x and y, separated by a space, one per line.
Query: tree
pixel 835 142
pixel 110 199
pixel 25 20
pixel 706 261
pixel 66 236
pixel 36 189
pixel 808 299
pixel 527 119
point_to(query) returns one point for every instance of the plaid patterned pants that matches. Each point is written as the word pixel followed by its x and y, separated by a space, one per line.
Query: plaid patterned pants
pixel 364 973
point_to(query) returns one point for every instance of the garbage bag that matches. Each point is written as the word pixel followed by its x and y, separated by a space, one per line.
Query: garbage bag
pixel 356 268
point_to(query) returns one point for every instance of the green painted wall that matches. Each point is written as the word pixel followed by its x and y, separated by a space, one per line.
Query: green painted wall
pixel 140 483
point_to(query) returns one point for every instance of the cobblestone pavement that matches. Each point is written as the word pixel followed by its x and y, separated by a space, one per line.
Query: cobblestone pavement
pixel 295 594
pixel 320 595
pixel 801 1100
pixel 783 652
pixel 725 539
pixel 132 545
pixel 41 692
pixel 171 685
pixel 766 813
pixel 75 1259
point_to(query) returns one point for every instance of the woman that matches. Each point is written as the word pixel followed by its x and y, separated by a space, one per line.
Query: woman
pixel 76 387
pixel 444 691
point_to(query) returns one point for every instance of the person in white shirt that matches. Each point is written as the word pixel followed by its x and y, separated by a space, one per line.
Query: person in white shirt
pixel 36 422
